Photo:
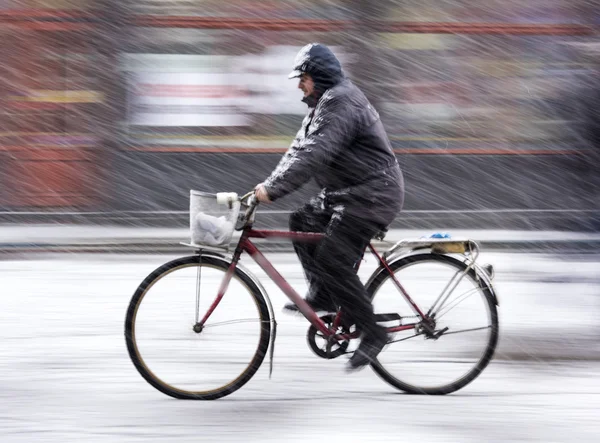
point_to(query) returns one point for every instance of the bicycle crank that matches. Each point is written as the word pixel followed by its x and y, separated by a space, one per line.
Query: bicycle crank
pixel 327 347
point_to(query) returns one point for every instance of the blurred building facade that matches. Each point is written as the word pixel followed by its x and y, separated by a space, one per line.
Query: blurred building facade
pixel 114 106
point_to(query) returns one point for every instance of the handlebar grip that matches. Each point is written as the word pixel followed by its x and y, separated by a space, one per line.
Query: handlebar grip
pixel 224 198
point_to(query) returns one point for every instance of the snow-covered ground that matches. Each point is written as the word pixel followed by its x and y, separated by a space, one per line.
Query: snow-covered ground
pixel 65 375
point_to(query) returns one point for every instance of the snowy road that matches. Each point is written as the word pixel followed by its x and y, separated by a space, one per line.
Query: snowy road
pixel 65 375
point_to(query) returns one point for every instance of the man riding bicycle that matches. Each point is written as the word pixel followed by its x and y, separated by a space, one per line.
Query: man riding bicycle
pixel 342 144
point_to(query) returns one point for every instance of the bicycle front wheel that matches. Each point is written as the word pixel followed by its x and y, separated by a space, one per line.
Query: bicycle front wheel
pixel 461 341
pixel 179 356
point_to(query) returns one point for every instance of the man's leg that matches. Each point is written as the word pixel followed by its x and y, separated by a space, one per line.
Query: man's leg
pixel 345 241
pixel 310 218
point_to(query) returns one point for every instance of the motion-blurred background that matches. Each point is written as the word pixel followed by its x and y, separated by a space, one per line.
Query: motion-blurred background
pixel 112 110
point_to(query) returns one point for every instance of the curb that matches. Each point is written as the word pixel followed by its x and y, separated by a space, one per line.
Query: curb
pixel 172 246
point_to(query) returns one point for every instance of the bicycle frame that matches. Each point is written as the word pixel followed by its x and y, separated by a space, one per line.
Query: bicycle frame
pixel 246 245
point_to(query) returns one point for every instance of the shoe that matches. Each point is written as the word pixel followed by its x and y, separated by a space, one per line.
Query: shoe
pixel 368 349
pixel 316 305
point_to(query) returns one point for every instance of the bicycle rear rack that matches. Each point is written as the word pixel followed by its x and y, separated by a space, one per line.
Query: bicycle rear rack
pixel 469 249
pixel 435 245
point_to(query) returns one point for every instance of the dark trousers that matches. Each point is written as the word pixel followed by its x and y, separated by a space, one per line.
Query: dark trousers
pixel 330 265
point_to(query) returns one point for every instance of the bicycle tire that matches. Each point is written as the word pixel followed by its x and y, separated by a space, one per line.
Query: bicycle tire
pixel 157 275
pixel 381 275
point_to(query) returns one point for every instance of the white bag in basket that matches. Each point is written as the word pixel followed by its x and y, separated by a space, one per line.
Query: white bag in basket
pixel 210 230
pixel 213 217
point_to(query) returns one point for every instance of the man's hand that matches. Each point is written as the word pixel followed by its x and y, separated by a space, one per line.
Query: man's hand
pixel 261 193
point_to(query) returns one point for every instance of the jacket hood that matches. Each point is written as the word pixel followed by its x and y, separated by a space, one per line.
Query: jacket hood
pixel 322 65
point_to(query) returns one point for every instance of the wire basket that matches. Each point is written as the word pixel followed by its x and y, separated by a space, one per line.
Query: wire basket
pixel 213 217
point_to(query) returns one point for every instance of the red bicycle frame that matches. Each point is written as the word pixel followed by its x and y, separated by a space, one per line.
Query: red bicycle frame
pixel 246 245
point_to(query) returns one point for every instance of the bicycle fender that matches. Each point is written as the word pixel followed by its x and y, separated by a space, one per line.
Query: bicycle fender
pixel 264 293
pixel 260 287
pixel 215 254
pixel 480 272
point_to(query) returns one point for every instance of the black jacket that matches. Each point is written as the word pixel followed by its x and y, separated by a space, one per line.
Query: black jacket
pixel 343 145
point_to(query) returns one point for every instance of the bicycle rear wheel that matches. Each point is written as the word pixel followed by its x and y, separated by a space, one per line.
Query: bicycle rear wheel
pixel 173 353
pixel 415 361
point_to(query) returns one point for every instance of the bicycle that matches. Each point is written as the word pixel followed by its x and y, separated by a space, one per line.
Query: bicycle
pixel 416 288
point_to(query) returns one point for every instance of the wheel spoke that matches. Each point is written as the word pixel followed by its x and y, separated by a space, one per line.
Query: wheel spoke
pixel 455 303
pixel 405 338
pixel 467 330
pixel 232 322
pixel 198 286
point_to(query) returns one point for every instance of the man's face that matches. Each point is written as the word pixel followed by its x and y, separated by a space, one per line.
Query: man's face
pixel 307 84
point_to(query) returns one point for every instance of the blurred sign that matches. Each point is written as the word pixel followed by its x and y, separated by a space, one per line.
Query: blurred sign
pixel 184 90
pixel 206 90
pixel 187 99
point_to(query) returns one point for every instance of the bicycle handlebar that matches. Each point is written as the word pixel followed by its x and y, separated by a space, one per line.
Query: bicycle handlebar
pixel 252 202
pixel 247 195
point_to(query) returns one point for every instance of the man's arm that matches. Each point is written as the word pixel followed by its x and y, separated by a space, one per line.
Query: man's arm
pixel 330 131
